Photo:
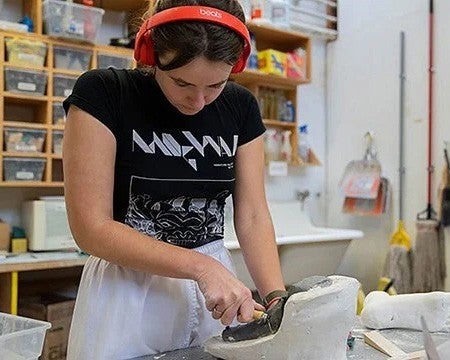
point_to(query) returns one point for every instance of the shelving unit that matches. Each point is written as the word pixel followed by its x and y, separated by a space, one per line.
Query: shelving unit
pixel 269 37
pixel 42 106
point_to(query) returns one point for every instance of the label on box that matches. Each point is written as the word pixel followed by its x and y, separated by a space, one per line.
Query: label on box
pixel 24 175
pixel 26 86
pixel 278 168
pixel 67 92
pixel 76 27
pixel 28 57
pixel 24 147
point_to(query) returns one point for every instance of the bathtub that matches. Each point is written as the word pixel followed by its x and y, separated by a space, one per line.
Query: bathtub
pixel 303 248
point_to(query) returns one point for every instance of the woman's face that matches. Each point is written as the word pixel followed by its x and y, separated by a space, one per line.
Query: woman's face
pixel 190 87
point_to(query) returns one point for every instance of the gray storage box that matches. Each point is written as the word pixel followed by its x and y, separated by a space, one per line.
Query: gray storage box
pixel 24 140
pixel 105 61
pixel 63 85
pixel 58 142
pixel 25 81
pixel 23 169
pixel 72 59
pixel 59 115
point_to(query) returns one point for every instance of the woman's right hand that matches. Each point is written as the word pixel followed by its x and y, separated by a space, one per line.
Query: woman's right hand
pixel 225 296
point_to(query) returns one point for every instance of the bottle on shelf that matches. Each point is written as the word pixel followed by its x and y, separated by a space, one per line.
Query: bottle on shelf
pixel 271 145
pixel 304 149
pixel 288 111
pixel 286 149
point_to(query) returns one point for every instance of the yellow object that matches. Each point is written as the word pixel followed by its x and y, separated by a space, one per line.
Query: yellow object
pixel 360 301
pixel 26 52
pixel 19 245
pixel 14 292
pixel 385 284
pixel 400 237
pixel 272 62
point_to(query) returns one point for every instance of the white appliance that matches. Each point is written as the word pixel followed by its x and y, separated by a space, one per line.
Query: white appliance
pixel 46 225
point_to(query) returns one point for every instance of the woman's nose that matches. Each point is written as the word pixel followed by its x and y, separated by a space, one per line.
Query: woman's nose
pixel 197 99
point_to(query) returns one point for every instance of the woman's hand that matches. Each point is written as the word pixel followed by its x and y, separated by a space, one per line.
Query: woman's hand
pixel 225 296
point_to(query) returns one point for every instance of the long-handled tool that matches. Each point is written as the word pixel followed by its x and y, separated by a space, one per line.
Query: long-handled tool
pixel 429 258
pixel 398 263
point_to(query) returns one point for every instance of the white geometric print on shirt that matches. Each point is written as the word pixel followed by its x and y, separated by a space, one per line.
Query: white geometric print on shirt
pixel 169 146
pixel 184 221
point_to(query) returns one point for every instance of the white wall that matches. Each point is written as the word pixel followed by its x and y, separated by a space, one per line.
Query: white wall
pixel 363 78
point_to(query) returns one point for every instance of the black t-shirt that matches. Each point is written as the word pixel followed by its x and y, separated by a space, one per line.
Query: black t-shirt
pixel 173 172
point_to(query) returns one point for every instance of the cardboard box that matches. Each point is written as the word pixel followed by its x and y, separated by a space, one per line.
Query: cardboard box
pixel 5 234
pixel 57 310
pixel 296 65
pixel 272 62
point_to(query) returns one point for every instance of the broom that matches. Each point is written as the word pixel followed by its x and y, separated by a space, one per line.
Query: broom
pixel 445 194
pixel 428 256
pixel 398 262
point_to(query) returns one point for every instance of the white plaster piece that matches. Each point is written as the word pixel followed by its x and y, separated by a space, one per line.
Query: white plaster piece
pixel 383 311
pixel 315 326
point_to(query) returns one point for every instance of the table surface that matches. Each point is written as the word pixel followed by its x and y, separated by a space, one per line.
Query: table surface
pixel 407 340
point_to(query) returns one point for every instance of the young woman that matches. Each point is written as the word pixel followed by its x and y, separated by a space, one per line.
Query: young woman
pixel 150 156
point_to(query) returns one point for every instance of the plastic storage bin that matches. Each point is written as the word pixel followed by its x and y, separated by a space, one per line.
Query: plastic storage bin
pixel 72 21
pixel 58 141
pixel 23 169
pixel 25 81
pixel 20 337
pixel 105 61
pixel 63 85
pixel 72 59
pixel 28 140
pixel 26 52
pixel 59 115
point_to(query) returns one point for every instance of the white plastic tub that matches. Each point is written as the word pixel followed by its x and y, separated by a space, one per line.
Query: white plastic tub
pixel 21 338
pixel 72 21
pixel 72 59
pixel 25 81
pixel 24 140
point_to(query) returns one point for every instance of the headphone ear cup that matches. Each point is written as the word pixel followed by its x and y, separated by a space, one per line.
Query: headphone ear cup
pixel 242 62
pixel 144 52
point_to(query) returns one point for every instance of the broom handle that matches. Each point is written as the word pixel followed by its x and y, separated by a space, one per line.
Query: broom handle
pixel 402 119
pixel 430 105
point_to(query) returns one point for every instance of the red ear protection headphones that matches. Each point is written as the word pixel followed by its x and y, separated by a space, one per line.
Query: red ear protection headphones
pixel 144 48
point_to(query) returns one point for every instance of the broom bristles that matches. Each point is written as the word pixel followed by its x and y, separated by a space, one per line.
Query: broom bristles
pixel 398 268
pixel 428 265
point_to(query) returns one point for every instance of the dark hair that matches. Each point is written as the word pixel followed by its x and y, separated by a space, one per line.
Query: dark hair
pixel 190 39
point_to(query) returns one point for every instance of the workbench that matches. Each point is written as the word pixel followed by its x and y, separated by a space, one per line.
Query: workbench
pixel 15 266
pixel 407 340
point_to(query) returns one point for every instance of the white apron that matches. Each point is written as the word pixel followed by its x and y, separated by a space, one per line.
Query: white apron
pixel 122 313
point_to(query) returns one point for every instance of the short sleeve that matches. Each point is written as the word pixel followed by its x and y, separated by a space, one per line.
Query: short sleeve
pixel 97 93
pixel 251 125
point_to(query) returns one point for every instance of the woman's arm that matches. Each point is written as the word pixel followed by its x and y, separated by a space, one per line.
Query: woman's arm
pixel 89 158
pixel 252 219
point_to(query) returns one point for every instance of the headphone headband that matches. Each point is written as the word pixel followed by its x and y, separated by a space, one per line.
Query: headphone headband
pixel 190 13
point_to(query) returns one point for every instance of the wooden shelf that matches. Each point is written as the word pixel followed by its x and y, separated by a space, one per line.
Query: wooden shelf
pixel 24 98
pixel 24 154
pixel 281 124
pixel 122 5
pixel 25 67
pixel 26 125
pixel 36 184
pixel 260 78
